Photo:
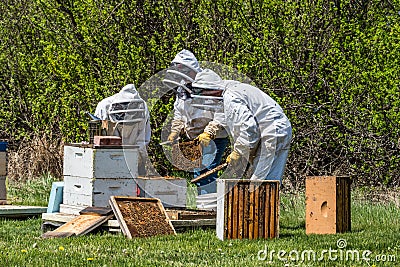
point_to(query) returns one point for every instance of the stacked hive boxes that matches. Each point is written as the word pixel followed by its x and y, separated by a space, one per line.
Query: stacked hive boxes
pixel 3 171
pixel 92 175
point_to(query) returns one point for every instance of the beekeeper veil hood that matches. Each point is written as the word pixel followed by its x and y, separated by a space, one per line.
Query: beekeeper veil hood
pixel 207 89
pixel 127 106
pixel 182 71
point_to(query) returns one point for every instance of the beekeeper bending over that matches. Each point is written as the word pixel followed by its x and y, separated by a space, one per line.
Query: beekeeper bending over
pixel 130 115
pixel 196 123
pixel 260 129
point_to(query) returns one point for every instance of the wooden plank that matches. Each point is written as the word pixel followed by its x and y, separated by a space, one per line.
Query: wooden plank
pixel 234 204
pixel 228 209
pixel 240 211
pixel 269 215
pixel 339 205
pixel 20 211
pixel 193 223
pixel 80 225
pixel 97 210
pixel 261 210
pixel 274 210
pixel 256 211
pixel 113 223
pixel 246 210
pixel 251 210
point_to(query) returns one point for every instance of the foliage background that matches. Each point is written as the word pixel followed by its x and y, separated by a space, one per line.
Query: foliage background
pixel 332 65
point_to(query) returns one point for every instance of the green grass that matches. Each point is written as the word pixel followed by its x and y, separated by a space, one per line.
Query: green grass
pixel 375 229
pixel 34 192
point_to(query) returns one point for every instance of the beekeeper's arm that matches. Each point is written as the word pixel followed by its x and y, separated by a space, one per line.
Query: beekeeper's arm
pixel 177 123
pixel 212 129
pixel 244 124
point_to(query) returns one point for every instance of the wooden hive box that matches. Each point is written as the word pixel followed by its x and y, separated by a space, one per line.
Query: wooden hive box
pixel 247 209
pixel 327 204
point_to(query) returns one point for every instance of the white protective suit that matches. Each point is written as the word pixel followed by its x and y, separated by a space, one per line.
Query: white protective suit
pixel 193 121
pixel 257 124
pixel 129 111
pixel 102 108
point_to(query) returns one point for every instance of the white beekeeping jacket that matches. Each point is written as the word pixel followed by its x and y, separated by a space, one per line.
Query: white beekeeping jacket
pixel 253 116
pixel 129 111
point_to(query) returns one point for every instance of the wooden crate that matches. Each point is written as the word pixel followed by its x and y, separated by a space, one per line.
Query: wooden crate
pixel 247 209
pixel 328 204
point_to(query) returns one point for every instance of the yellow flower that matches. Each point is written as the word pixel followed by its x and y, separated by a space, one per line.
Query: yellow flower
pixel 24 251
pixel 90 259
pixel 61 248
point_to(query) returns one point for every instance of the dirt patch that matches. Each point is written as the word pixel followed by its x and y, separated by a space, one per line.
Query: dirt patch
pixel 145 219
pixel 187 155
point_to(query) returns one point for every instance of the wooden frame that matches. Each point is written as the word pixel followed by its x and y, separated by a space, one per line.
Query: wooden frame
pixel 128 228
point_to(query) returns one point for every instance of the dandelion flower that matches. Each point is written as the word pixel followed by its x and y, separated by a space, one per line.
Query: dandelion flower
pixel 24 251
pixel 61 248
pixel 90 259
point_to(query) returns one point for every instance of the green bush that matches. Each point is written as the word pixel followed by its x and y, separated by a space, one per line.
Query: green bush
pixel 333 66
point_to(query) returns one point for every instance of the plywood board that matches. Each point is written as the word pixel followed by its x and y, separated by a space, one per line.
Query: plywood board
pixel 141 217
pixel 80 225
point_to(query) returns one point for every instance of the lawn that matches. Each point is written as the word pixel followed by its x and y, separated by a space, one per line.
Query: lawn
pixel 373 241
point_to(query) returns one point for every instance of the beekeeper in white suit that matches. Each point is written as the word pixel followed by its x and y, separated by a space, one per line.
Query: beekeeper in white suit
pixel 260 129
pixel 196 123
pixel 129 112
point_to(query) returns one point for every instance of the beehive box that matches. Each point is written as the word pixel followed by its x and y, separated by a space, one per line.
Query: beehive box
pixel 171 191
pixel 328 204
pixel 247 209
pixel 92 175
pixel 100 162
pixel 92 192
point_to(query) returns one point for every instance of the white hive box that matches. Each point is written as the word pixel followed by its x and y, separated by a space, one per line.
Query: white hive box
pixel 100 162
pixel 171 191
pixel 92 175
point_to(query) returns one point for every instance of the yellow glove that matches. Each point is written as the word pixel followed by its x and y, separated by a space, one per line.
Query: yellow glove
pixel 173 136
pixel 204 139
pixel 233 157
